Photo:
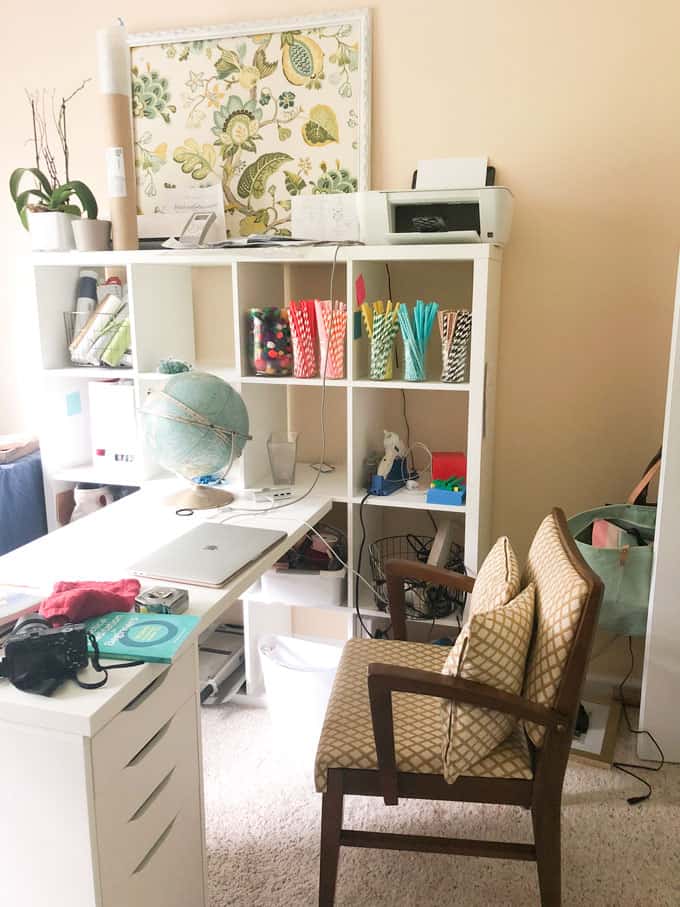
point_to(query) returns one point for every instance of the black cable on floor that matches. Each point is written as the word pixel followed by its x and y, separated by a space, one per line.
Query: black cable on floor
pixel 626 767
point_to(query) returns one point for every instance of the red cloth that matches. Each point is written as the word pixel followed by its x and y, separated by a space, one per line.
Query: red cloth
pixel 75 602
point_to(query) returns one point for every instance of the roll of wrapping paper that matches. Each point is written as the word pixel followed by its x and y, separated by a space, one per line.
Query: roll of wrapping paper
pixel 102 316
pixel 302 318
pixel 86 300
pixel 107 332
pixel 113 57
pixel 456 330
pixel 120 341
pixel 331 322
pixel 382 326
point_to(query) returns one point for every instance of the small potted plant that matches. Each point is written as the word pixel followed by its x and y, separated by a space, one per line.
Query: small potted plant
pixel 49 207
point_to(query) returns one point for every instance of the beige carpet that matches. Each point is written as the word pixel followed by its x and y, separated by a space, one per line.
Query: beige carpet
pixel 263 830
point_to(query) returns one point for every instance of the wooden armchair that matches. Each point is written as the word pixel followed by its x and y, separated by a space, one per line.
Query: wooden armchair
pixel 378 742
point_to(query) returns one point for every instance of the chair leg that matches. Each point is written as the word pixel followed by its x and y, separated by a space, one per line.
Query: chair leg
pixel 331 826
pixel 547 840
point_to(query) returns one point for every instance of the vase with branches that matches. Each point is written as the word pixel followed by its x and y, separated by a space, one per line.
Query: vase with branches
pixel 49 192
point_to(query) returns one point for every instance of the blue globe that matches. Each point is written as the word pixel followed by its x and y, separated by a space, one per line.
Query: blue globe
pixel 197 425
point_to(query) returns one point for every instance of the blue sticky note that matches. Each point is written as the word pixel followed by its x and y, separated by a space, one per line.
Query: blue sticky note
pixel 74 406
pixel 357 325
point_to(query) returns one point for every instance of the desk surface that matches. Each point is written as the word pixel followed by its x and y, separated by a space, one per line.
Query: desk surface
pixel 101 546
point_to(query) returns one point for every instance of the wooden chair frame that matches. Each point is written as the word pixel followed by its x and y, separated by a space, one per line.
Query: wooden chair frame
pixel 542 795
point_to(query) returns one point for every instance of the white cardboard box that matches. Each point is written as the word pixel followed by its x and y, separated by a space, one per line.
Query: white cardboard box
pixel 113 423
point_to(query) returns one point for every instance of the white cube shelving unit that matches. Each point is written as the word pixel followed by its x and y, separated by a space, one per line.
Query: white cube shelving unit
pixel 193 304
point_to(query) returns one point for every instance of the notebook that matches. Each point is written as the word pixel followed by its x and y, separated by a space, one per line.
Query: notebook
pixel 141 637
pixel 208 555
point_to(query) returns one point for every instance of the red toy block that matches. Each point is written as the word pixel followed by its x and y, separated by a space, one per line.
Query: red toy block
pixel 446 464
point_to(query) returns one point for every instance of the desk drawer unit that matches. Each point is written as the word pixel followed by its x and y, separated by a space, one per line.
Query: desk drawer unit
pixel 147 794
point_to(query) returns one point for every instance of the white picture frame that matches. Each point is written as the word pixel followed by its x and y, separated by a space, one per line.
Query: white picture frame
pixel 157 168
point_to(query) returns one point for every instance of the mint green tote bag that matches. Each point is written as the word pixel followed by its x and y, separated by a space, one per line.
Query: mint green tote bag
pixel 626 571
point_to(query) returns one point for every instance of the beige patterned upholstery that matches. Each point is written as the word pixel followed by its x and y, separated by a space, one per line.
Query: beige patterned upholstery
pixel 347 735
pixel 492 649
pixel 560 596
pixel 498 580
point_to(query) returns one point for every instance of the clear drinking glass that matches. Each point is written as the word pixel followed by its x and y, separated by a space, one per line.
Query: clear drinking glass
pixel 282 450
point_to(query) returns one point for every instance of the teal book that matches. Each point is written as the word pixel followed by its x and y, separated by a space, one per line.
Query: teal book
pixel 141 637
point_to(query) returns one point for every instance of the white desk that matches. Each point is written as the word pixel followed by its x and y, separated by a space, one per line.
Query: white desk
pixel 103 801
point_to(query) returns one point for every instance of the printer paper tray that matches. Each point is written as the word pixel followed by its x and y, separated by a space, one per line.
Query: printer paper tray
pixel 455 236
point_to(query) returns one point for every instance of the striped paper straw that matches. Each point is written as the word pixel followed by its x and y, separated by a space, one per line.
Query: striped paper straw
pixel 384 328
pixel 331 318
pixel 455 328
pixel 303 335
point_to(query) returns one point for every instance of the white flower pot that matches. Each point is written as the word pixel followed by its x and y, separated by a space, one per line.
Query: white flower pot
pixel 91 235
pixel 50 231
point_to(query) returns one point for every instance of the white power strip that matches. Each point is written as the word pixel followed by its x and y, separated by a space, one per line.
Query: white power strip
pixel 265 495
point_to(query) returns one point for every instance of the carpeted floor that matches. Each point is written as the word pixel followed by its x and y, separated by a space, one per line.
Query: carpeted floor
pixel 263 831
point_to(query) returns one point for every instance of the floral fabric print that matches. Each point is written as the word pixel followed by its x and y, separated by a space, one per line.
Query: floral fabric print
pixel 267 117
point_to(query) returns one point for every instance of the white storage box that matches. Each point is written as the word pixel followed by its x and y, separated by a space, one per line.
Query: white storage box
pixel 305 587
pixel 113 423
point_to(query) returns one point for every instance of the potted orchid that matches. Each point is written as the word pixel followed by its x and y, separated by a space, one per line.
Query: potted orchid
pixel 49 204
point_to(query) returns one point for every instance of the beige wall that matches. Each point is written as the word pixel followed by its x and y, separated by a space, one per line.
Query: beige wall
pixel 576 103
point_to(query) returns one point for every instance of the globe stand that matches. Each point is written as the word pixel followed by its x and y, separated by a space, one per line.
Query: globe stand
pixel 200 497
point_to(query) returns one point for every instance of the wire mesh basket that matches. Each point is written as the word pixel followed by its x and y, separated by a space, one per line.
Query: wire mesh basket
pixel 423 600
pixel 88 334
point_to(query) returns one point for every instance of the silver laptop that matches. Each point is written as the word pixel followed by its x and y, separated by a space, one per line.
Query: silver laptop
pixel 208 555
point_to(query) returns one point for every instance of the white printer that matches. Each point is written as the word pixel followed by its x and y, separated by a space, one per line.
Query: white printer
pixel 481 215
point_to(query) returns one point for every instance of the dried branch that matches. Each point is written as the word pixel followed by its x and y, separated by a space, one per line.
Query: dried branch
pixel 64 101
pixel 61 124
pixel 35 135
pixel 41 141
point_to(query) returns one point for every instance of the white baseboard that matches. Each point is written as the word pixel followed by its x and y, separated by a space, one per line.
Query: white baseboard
pixel 605 686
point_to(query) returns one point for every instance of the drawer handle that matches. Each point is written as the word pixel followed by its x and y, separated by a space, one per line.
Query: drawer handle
pixel 152 796
pixel 155 847
pixel 150 744
pixel 141 698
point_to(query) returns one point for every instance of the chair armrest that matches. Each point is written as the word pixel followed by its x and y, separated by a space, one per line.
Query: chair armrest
pixel 398 571
pixel 385 679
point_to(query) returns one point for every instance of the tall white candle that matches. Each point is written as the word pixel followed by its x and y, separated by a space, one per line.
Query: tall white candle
pixel 113 59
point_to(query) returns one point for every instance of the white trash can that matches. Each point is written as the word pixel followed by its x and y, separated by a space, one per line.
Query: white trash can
pixel 298 677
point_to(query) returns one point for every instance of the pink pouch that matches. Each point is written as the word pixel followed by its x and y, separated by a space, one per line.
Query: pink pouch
pixel 607 535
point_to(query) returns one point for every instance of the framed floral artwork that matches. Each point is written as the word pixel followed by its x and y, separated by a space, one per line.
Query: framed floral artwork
pixel 268 110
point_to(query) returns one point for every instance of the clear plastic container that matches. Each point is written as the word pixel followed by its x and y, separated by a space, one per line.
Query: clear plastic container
pixel 282 450
pixel 269 346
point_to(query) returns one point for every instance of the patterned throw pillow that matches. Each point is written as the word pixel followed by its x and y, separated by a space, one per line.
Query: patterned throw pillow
pixel 498 579
pixel 561 593
pixel 492 648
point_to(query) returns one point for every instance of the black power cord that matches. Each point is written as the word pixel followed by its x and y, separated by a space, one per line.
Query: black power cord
pixel 358 569
pixel 396 356
pixel 627 766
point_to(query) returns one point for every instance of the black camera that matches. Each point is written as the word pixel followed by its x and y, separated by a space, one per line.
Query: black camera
pixel 39 657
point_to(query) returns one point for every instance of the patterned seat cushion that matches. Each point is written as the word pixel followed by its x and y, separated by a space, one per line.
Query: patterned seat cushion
pixel 347 735
pixel 561 594
pixel 491 649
